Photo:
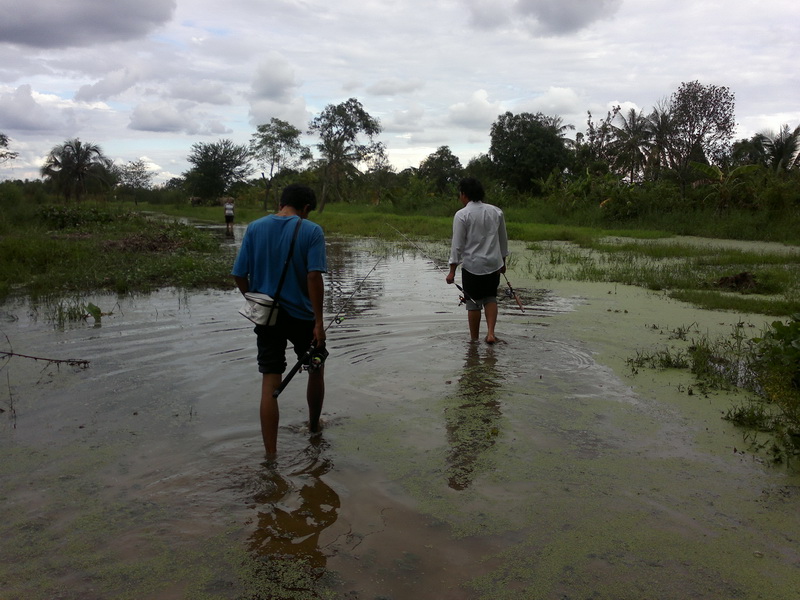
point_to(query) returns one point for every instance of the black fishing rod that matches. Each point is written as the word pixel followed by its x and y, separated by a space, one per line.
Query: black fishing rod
pixel 460 289
pixel 315 357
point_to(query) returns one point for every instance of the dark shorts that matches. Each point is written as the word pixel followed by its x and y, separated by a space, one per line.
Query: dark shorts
pixel 229 218
pixel 272 341
pixel 480 289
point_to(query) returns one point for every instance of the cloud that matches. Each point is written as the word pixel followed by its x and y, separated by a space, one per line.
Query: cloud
pixel 114 83
pixel 566 16
pixel 20 109
pixel 394 87
pixel 274 79
pixel 210 92
pixel 163 117
pixel 274 93
pixel 60 23
pixel 476 113
pixel 556 101
pixel 549 17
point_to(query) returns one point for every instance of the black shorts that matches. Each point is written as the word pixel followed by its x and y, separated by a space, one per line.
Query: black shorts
pixel 272 341
pixel 480 288
pixel 229 218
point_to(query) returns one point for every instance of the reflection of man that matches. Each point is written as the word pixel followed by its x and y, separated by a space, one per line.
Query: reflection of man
pixel 295 511
pixel 480 245
pixel 258 268
pixel 472 417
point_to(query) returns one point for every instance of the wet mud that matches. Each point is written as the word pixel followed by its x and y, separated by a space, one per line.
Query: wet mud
pixel 538 467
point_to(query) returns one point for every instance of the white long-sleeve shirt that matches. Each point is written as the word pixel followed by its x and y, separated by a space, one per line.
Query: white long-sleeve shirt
pixel 480 240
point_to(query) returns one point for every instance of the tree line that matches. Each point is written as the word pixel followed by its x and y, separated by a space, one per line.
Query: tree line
pixel 681 153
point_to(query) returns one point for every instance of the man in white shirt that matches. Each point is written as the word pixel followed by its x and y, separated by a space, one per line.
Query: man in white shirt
pixel 480 246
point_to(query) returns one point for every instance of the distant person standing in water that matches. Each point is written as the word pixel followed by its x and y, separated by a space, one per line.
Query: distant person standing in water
pixel 229 217
pixel 480 246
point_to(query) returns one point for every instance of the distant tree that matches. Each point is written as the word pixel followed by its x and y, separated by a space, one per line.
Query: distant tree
pixel 71 166
pixel 525 149
pixel 748 152
pixel 135 175
pixel 782 149
pixel 631 144
pixel 276 147
pixel 5 153
pixel 442 168
pixel 724 184
pixel 341 128
pixel 662 156
pixel 593 151
pixel 216 167
pixel 480 167
pixel 702 126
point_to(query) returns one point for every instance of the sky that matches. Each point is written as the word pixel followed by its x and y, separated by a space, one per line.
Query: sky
pixel 147 79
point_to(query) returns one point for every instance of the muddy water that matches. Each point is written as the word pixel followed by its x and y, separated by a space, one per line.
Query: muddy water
pixel 535 468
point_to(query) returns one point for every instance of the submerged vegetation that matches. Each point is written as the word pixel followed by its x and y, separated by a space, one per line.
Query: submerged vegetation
pixel 766 368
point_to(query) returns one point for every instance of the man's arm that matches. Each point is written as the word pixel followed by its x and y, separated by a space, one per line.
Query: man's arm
pixel 242 283
pixel 316 293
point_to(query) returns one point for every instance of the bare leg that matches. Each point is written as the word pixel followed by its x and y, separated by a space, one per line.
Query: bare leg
pixel 491 320
pixel 315 395
pixel 269 412
pixel 474 318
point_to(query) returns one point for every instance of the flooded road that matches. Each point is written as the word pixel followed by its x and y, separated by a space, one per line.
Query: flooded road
pixel 534 468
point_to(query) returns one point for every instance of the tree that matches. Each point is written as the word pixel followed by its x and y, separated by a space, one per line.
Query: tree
pixel 702 126
pixel 442 168
pixel 724 184
pixel 593 152
pixel 340 128
pixel 135 175
pixel 5 153
pixel 782 149
pixel 74 164
pixel 276 146
pixel 216 167
pixel 526 148
pixel 632 143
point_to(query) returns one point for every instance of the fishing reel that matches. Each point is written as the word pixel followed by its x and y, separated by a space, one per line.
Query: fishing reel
pixel 316 359
pixel 509 292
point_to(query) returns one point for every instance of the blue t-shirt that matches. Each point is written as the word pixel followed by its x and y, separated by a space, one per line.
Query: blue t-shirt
pixel 263 253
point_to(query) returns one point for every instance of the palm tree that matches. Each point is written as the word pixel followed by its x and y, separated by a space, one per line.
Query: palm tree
pixel 662 155
pixel 632 143
pixel 72 164
pixel 782 149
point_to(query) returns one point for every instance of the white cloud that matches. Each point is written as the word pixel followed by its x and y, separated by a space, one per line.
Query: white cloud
pixel 476 113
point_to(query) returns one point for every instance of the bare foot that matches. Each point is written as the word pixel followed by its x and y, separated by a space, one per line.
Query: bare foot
pixel 491 339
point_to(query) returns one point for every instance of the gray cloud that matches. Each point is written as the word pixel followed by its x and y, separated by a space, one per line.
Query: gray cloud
pixel 19 110
pixel 393 87
pixel 163 117
pixel 274 79
pixel 549 17
pixel 60 23
pixel 114 83
pixel 566 16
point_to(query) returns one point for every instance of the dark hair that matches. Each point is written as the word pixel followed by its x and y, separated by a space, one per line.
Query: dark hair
pixel 298 196
pixel 472 189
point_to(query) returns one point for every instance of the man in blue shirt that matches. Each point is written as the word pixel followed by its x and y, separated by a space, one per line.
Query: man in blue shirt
pixel 258 268
pixel 480 245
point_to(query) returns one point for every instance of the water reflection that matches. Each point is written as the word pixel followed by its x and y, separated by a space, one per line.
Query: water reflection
pixel 295 508
pixel 473 415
